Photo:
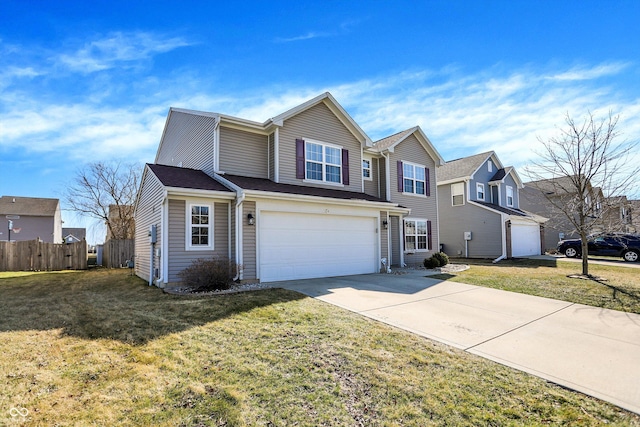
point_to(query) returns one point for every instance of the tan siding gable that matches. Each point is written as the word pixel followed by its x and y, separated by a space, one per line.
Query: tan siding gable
pixel 148 212
pixel 318 123
pixel 243 153
pixel 188 142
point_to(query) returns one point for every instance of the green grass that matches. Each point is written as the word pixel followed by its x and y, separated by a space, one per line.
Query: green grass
pixel 620 291
pixel 103 348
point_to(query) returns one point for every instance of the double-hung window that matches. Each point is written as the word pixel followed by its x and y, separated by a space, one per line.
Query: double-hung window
pixel 417 235
pixel 199 230
pixel 509 196
pixel 457 194
pixel 414 178
pixel 323 162
pixel 366 169
pixel 480 191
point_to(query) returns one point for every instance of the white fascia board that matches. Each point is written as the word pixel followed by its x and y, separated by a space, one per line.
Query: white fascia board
pixel 326 200
pixel 243 124
pixel 191 192
pixel 194 112
pixel 431 149
pixel 454 180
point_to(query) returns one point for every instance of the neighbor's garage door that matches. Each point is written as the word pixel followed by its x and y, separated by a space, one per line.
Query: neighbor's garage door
pixel 525 239
pixel 303 246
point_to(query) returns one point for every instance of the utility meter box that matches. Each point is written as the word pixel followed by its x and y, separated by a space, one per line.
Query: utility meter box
pixel 467 235
pixel 153 234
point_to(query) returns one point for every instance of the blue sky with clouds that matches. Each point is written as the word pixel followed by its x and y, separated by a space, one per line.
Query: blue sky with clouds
pixel 82 81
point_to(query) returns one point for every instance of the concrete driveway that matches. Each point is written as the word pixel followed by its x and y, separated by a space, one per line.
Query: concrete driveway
pixel 592 350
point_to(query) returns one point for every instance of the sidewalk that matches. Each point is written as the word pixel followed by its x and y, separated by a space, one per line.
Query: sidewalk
pixel 588 349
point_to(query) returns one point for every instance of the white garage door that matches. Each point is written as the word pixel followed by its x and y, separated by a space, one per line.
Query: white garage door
pixel 525 239
pixel 304 246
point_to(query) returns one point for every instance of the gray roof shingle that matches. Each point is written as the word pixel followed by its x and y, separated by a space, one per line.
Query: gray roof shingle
pixel 33 206
pixel 461 168
pixel 173 176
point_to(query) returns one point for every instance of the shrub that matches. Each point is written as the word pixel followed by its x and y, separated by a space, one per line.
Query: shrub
pixel 442 258
pixel 431 263
pixel 209 274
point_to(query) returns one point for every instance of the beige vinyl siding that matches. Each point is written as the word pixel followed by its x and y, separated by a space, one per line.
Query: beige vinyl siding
pixel 371 187
pixel 188 140
pixel 394 226
pixel 248 241
pixel 382 174
pixel 410 150
pixel 179 258
pixel 486 228
pixel 271 158
pixel 243 153
pixel 319 123
pixel 148 212
pixel 384 236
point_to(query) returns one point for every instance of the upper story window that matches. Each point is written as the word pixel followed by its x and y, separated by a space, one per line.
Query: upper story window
pixel 489 166
pixel 509 196
pixel 319 161
pixel 199 231
pixel 480 191
pixel 414 178
pixel 457 194
pixel 366 169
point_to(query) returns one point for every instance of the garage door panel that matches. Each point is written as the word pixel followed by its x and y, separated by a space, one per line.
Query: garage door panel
pixel 525 239
pixel 296 246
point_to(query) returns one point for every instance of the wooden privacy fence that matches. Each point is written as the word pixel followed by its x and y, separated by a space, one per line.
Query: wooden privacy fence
pixel 35 255
pixel 117 252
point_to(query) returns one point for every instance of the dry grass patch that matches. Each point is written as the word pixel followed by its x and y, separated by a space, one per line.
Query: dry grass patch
pixel 102 348
pixel 619 291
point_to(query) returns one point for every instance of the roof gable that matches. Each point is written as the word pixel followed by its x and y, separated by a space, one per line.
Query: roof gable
pixel 464 168
pixel 389 143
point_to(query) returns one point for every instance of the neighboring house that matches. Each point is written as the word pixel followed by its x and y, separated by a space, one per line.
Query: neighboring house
pixel 304 194
pixel 635 216
pixel 480 211
pixel 74 235
pixel 31 218
pixel 549 197
pixel 122 222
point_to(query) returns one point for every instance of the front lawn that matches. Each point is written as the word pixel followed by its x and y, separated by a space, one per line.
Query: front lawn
pixel 549 278
pixel 103 348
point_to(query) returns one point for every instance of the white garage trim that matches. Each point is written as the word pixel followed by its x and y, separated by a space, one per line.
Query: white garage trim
pixel 305 242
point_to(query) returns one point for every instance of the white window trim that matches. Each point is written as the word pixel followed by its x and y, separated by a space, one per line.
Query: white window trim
pixel 463 201
pixel 370 168
pixel 188 245
pixel 479 186
pixel 424 181
pixel 323 163
pixel 404 234
pixel 509 188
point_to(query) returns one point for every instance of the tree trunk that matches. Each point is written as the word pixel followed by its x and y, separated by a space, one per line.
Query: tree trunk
pixel 585 257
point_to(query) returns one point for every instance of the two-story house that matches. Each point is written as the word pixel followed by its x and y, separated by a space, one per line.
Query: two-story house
pixel 479 210
pixel 558 200
pixel 304 194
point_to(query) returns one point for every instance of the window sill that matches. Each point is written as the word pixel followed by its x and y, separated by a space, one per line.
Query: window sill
pixel 423 196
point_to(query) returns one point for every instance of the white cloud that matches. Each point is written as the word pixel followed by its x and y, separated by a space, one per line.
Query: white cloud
pixel 117 49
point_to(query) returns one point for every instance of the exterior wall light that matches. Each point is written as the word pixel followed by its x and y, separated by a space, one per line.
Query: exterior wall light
pixel 250 218
pixel 385 224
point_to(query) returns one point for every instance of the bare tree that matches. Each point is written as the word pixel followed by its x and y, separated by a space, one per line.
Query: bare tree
pixel 580 166
pixel 107 191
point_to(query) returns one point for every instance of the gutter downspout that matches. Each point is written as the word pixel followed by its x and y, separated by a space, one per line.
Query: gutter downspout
pixel 504 240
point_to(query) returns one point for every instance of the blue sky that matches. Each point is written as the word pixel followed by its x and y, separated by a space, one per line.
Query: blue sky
pixel 82 81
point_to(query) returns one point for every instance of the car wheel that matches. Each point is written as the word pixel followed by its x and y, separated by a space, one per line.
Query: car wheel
pixel 571 252
pixel 631 256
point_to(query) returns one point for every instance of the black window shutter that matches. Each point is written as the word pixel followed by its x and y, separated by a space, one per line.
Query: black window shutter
pixel 299 158
pixel 426 182
pixel 400 178
pixel 429 236
pixel 345 167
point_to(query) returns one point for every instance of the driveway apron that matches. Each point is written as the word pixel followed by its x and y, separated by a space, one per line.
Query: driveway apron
pixel 592 350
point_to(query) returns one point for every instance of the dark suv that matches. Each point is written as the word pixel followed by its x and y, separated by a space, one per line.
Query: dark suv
pixel 625 245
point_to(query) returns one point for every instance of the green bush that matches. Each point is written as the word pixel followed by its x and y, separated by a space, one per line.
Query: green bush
pixel 442 258
pixel 209 274
pixel 431 263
